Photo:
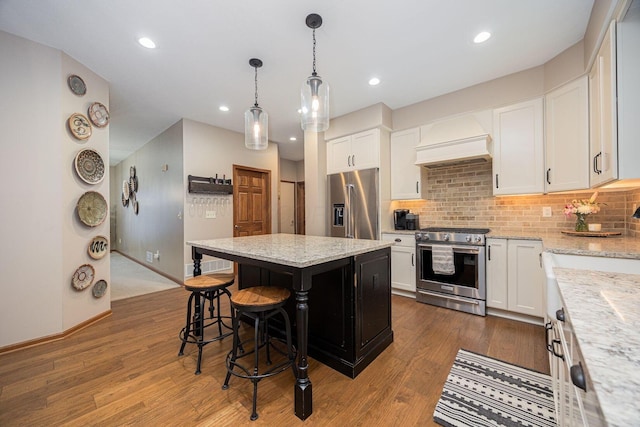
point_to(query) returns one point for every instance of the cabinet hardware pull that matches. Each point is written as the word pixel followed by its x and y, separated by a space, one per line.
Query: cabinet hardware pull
pixel 413 264
pixel 548 172
pixel 547 332
pixel 553 349
pixel 497 186
pixel 560 315
pixel 489 253
pixel 595 170
pixel 540 259
pixel 577 376
pixel 398 240
pixel 349 161
pixel 417 189
pixel 353 160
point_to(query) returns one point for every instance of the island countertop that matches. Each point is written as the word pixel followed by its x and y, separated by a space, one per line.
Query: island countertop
pixel 295 250
pixel 603 308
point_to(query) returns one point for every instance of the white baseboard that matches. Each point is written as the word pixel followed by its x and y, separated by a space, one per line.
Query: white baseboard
pixel 403 293
pixel 515 316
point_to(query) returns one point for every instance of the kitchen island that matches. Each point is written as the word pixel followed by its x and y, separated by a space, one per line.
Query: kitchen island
pixel 342 295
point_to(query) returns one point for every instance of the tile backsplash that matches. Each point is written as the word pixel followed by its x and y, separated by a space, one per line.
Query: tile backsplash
pixel 461 196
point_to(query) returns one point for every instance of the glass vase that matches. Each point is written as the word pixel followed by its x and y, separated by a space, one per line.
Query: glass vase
pixel 581 222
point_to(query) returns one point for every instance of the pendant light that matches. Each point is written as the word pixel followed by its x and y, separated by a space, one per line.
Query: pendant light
pixel 314 114
pixel 256 120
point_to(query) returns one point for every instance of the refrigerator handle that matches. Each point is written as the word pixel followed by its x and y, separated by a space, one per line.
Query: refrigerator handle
pixel 349 211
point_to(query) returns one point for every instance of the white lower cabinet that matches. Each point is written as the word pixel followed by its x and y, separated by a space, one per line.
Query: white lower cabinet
pixel 403 263
pixel 515 277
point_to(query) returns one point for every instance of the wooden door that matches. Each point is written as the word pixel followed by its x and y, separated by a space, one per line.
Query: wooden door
pixel 287 207
pixel 251 201
pixel 300 224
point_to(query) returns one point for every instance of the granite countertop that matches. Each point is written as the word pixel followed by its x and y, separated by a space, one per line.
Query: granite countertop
pixel 603 309
pixel 294 250
pixel 556 242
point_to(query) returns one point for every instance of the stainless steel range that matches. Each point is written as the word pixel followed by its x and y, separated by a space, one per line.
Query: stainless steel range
pixel 450 270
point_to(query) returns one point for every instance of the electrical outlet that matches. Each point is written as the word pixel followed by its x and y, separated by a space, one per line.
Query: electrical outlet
pixel 149 256
pixel 546 211
pixel 210 214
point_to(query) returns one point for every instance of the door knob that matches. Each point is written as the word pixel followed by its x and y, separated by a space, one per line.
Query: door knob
pixel 236 226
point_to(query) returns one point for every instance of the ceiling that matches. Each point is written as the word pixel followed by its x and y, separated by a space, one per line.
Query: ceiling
pixel 418 48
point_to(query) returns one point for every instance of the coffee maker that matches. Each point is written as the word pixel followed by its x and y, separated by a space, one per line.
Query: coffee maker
pixel 400 219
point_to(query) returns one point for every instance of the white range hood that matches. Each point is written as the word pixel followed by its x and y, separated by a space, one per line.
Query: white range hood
pixel 458 139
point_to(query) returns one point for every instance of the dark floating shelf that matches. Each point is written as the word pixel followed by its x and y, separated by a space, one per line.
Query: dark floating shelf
pixel 209 185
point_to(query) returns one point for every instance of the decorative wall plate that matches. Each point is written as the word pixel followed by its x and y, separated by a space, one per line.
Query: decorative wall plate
pixel 79 126
pixel 135 207
pixel 89 166
pixel 76 84
pixel 125 189
pixel 99 289
pixel 133 184
pixel 132 171
pixel 92 208
pixel 125 202
pixel 98 247
pixel 83 277
pixel 98 114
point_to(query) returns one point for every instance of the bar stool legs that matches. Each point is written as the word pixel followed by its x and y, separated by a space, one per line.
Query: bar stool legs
pixel 205 288
pixel 260 313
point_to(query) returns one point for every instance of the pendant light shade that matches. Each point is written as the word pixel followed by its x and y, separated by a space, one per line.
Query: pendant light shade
pixel 314 95
pixel 256 120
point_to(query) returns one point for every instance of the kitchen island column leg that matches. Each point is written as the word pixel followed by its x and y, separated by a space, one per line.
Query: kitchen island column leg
pixel 303 395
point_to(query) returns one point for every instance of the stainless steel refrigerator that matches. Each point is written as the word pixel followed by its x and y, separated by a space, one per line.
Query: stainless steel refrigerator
pixel 354 204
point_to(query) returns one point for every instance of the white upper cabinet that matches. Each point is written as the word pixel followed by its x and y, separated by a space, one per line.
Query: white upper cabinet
pixel 603 113
pixel 567 142
pixel 407 179
pixel 518 158
pixel 354 152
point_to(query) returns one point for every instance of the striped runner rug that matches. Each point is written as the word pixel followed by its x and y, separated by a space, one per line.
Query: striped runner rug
pixel 482 391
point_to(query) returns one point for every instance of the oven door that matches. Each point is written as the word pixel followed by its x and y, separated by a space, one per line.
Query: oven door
pixel 468 279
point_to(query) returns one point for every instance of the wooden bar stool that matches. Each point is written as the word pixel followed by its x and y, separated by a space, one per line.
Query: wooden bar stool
pixel 259 303
pixel 205 288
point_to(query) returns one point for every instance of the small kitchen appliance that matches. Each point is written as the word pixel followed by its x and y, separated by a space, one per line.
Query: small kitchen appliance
pixel 451 269
pixel 413 221
pixel 400 219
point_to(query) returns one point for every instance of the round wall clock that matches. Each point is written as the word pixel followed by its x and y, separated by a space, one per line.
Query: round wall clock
pixel 79 126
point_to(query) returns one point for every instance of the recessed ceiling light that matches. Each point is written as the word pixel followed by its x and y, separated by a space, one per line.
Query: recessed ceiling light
pixel 223 108
pixel 374 81
pixel 299 110
pixel 293 138
pixel 482 37
pixel 147 42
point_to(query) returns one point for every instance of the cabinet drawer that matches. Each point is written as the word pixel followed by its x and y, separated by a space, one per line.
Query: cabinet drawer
pixel 408 240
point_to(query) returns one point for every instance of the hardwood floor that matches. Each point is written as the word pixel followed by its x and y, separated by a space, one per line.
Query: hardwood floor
pixel 125 370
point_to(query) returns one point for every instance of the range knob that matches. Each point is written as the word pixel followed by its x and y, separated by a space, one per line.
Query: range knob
pixel 446 237
pixel 478 239
pixel 468 238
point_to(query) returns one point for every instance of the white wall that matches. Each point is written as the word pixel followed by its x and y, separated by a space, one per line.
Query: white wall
pixel 42 240
pixel 208 151
pixel 159 226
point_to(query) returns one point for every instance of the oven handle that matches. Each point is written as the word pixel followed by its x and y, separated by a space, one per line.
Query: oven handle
pixel 457 249
pixel 465 300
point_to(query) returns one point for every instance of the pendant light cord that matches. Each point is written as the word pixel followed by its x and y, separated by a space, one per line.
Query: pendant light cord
pixel 256 85
pixel 314 53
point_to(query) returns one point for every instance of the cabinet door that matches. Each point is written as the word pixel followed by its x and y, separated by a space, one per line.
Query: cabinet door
pixel 406 177
pixel 403 268
pixel 518 166
pixel 603 112
pixel 365 149
pixel 497 273
pixel 339 155
pixel 525 277
pixel 373 305
pixel 567 142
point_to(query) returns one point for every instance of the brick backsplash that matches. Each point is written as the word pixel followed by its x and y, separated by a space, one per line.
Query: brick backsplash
pixel 461 196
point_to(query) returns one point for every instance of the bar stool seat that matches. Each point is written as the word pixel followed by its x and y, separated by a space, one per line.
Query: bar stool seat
pixel 259 303
pixel 204 288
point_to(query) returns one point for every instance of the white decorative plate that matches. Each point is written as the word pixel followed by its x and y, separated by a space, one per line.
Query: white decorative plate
pixel 89 166
pixel 83 277
pixel 98 247
pixel 92 208
pixel 125 190
pixel 98 114
pixel 79 126
pixel 99 289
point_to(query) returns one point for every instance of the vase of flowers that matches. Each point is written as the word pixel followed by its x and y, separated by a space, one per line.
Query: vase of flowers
pixel 582 208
